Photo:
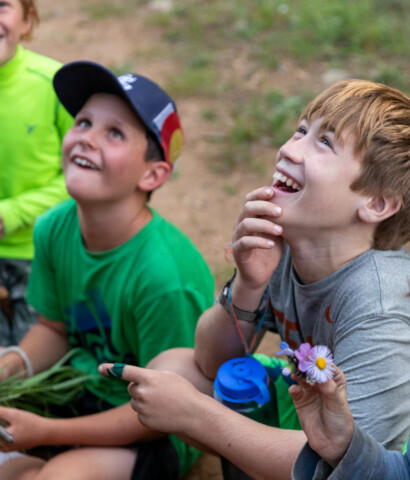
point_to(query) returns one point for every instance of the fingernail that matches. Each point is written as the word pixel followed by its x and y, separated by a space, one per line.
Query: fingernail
pixel 268 191
pixel 277 229
pixel 277 210
pixel 270 243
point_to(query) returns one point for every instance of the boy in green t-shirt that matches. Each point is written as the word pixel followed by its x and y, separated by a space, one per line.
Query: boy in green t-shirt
pixel 33 124
pixel 110 278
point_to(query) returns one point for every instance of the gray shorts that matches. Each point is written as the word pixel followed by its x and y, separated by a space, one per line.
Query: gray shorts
pixel 16 316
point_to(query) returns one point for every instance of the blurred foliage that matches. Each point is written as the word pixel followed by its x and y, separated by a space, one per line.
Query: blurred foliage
pixel 219 47
pixel 365 38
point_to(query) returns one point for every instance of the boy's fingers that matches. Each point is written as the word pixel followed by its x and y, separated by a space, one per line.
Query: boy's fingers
pixel 296 392
pixel 262 193
pixel 301 381
pixel 129 373
pixel 339 377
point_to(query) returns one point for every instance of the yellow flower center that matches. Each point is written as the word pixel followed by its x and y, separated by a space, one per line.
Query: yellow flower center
pixel 321 363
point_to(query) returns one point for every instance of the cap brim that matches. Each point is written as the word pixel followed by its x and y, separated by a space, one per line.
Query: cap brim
pixel 76 82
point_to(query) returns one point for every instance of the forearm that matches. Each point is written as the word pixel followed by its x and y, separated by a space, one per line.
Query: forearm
pixel 217 335
pixel 217 340
pixel 255 448
pixel 44 344
pixel 117 426
pixel 245 295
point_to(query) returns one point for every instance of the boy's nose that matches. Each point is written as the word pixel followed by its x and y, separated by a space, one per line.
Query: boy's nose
pixel 88 138
pixel 292 150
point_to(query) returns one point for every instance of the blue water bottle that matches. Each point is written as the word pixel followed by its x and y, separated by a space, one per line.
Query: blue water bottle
pixel 243 385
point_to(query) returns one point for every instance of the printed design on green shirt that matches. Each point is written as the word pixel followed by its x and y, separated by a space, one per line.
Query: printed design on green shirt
pixel 30 128
pixel 89 325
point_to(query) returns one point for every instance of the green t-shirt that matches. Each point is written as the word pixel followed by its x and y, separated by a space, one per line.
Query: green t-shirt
pixel 125 305
pixel 33 124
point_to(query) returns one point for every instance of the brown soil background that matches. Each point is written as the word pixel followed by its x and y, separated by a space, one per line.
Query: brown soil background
pixel 194 198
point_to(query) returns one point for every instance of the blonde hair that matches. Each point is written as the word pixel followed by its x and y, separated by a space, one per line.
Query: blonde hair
pixel 377 118
pixel 30 6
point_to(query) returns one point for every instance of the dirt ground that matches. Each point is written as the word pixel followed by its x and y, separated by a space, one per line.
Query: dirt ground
pixel 194 199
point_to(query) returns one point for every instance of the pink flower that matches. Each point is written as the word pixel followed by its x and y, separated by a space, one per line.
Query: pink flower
pixel 303 356
pixel 319 365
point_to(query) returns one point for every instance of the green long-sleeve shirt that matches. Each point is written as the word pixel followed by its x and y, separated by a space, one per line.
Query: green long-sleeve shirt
pixel 32 126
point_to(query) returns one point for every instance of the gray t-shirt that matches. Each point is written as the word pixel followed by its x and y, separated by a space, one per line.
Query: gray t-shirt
pixel 362 313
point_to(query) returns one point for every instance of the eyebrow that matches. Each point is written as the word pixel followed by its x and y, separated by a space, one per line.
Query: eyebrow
pixel 323 126
pixel 119 122
pixel 327 128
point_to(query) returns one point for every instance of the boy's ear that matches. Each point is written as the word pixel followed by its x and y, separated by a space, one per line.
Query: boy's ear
pixel 27 24
pixel 157 174
pixel 377 209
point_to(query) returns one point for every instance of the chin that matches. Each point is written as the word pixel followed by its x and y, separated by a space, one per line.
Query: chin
pixel 79 194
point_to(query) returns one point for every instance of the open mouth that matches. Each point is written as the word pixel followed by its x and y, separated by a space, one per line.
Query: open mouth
pixel 82 162
pixel 285 183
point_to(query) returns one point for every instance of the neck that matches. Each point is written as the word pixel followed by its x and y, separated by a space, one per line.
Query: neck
pixel 317 258
pixel 104 227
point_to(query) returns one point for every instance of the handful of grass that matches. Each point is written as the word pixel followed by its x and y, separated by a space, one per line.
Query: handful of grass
pixel 57 386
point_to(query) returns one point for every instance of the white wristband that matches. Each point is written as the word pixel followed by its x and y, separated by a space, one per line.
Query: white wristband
pixel 27 364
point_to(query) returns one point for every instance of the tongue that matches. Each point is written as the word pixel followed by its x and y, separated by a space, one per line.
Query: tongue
pixel 284 188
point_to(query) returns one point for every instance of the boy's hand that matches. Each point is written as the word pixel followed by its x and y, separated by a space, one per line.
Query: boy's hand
pixel 257 243
pixel 325 416
pixel 164 401
pixel 28 429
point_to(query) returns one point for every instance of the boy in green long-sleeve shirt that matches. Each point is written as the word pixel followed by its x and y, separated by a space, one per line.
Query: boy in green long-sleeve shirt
pixel 33 124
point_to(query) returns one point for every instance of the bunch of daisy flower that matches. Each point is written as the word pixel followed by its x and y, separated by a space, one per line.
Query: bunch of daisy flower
pixel 314 364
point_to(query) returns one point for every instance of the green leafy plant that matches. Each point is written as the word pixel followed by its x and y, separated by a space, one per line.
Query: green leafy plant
pixel 59 385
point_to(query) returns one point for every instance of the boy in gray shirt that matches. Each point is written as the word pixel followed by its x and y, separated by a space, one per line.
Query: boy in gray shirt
pixel 319 260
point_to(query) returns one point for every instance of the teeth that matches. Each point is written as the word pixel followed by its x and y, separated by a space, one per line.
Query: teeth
pixel 84 163
pixel 284 179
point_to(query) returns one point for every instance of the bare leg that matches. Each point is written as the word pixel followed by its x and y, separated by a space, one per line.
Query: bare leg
pixel 88 463
pixel 21 468
pixel 181 361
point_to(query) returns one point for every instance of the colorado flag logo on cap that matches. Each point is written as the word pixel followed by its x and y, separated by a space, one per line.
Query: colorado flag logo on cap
pixel 169 126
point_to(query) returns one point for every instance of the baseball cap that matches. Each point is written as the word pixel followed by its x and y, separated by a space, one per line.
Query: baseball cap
pixel 75 82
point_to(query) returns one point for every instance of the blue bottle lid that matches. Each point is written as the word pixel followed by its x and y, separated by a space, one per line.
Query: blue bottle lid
pixel 242 379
